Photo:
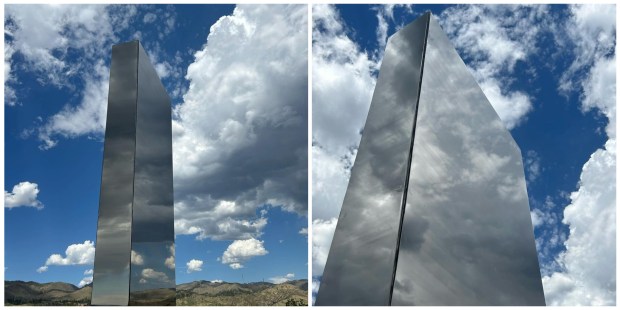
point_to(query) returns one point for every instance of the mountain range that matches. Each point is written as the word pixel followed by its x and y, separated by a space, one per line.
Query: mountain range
pixel 197 293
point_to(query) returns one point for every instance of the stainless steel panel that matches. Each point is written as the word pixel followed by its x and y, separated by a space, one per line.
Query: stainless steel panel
pixel 152 270
pixel 360 264
pixel 467 236
pixel 111 272
pixel 134 260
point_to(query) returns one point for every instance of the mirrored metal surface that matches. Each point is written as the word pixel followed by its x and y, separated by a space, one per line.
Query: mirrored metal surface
pixel 360 264
pixel 111 271
pixel 467 236
pixel 152 266
pixel 134 261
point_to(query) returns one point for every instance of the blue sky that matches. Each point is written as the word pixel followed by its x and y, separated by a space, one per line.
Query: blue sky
pixel 214 62
pixel 549 71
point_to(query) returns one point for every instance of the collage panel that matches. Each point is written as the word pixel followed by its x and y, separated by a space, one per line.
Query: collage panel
pixel 156 155
pixel 309 154
pixel 463 155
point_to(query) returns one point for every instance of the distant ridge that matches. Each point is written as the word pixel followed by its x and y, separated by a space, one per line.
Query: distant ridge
pixel 197 293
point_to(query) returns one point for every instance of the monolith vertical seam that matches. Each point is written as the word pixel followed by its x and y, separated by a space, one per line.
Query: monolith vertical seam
pixel 408 172
pixel 133 181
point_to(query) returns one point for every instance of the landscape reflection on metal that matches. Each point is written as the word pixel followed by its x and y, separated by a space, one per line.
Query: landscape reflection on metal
pixel 439 151
pixel 134 261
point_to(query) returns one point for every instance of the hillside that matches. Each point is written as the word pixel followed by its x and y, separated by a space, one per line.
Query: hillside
pixel 198 293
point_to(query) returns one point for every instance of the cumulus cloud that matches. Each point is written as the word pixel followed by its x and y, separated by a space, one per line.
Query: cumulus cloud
pixel 536 216
pixel 494 38
pixel 236 266
pixel 303 231
pixel 590 33
pixel 316 283
pixel 194 265
pixel 88 118
pixel 588 268
pixel 23 194
pixel 240 134
pixel 532 165
pixel 599 89
pixel 589 265
pixel 85 281
pixel 343 82
pixel 322 235
pixel 45 34
pixel 9 93
pixel 149 18
pixel 282 279
pixel 76 254
pixel 89 271
pixel 216 281
pixel 385 15
pixel 241 251
pixel 169 262
pixel 153 275
pixel 136 258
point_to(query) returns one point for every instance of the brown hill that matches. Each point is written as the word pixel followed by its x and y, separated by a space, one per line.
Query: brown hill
pixel 205 293
pixel 54 293
pixel 198 293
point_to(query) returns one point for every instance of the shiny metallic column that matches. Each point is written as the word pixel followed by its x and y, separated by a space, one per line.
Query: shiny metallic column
pixel 467 236
pixel 461 233
pixel 134 258
pixel 360 264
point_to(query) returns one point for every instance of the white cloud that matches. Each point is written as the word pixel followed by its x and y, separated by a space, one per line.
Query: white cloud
pixel 589 275
pixel 511 106
pixel 343 83
pixel 236 266
pixel 599 89
pixel 88 118
pixel 76 254
pixel 136 258
pixel 282 279
pixel 303 231
pixel 590 32
pixel 537 217
pixel 169 262
pixel 149 18
pixel 194 265
pixel 156 276
pixel 85 281
pixel 242 250
pixel 237 146
pixel 588 266
pixel 495 38
pixel 532 165
pixel 44 34
pixel 315 288
pixel 322 234
pixel 217 281
pixel 23 194
pixel 89 271
pixel 385 14
pixel 9 93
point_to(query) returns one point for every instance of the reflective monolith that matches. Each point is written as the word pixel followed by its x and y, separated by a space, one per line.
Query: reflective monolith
pixel 436 211
pixel 134 257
